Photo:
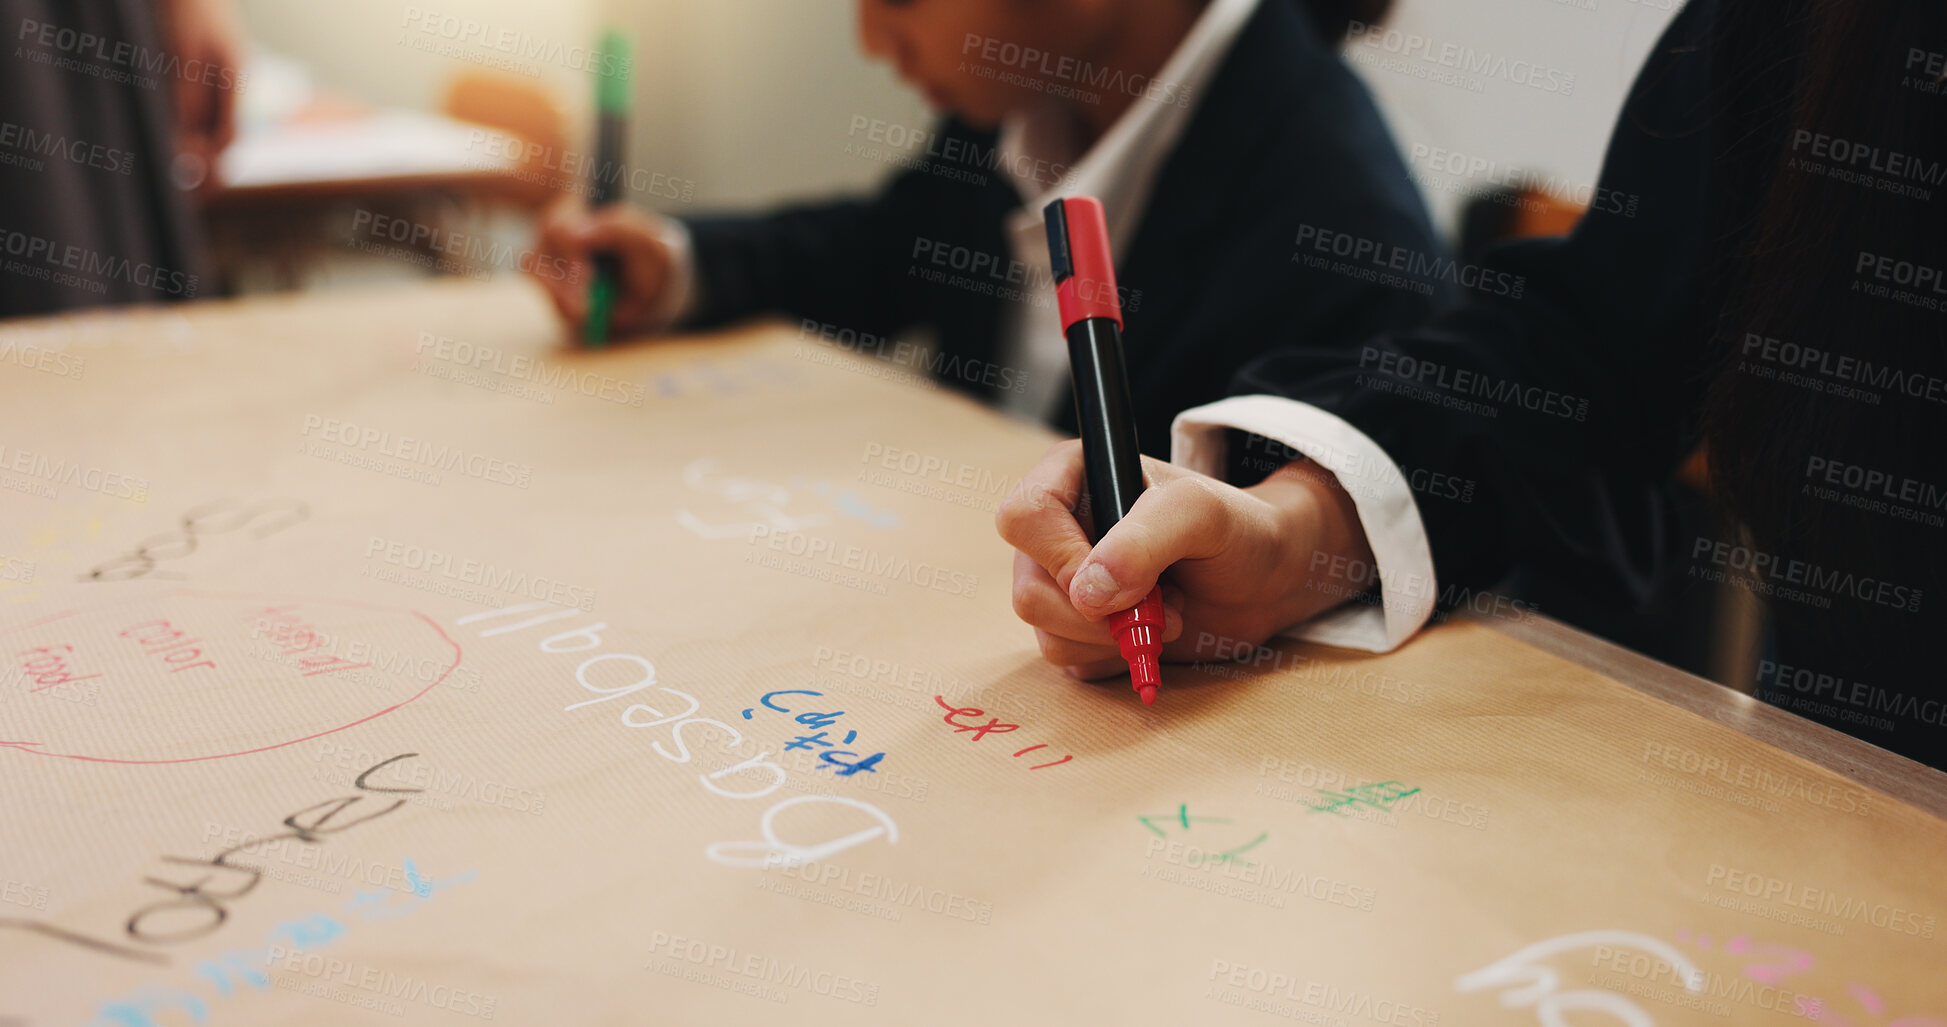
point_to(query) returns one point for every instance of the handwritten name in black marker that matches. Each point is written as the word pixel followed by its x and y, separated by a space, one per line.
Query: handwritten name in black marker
pixel 198 907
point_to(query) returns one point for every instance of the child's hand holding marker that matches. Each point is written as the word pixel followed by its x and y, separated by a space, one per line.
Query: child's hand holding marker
pixel 627 266
pixel 1242 564
pixel 640 243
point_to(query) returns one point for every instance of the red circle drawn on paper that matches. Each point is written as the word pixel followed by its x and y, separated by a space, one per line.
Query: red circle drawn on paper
pixel 32 747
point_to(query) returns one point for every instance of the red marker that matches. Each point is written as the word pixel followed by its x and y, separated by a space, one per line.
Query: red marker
pixel 1091 318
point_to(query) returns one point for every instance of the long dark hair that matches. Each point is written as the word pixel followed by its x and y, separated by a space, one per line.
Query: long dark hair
pixel 1798 251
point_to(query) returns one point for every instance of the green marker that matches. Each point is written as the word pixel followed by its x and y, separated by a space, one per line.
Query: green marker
pixel 611 134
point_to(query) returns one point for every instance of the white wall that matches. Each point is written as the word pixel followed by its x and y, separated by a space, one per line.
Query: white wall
pixel 752 99
pixel 363 48
pixel 1592 52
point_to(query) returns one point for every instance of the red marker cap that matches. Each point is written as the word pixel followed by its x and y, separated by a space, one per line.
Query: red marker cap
pixel 1078 252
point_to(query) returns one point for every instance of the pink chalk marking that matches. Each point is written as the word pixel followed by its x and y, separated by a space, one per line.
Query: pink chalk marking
pixel 337 664
pixel 1797 961
pixel 49 619
pixel 43 688
pixel 1784 962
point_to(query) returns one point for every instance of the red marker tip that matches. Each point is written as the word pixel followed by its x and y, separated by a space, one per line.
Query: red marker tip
pixel 1138 633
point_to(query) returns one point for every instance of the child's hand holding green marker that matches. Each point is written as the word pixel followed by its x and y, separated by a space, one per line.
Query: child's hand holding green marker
pixel 612 124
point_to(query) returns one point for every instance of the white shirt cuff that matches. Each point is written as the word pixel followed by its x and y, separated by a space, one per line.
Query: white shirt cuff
pixel 1382 496
pixel 679 298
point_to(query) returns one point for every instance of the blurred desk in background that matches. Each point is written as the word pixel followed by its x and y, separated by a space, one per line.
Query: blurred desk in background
pixel 377 153
pixel 299 187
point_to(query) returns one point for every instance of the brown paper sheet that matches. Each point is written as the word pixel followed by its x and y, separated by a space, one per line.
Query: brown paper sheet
pixel 372 660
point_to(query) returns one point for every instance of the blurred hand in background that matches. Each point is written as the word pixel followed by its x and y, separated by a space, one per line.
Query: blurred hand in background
pixel 208 39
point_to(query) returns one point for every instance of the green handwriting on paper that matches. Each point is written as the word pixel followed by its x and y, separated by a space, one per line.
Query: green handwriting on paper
pixel 1182 821
pixel 1378 796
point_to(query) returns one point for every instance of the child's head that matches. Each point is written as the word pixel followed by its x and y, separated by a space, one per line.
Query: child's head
pixel 980 59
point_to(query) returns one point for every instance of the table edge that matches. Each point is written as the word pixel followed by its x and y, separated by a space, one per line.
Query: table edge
pixel 1854 759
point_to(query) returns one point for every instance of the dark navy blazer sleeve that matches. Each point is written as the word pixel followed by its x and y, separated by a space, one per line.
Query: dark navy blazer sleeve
pixel 848 263
pixel 1568 405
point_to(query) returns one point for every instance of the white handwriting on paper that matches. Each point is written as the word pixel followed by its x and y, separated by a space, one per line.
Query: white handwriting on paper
pixel 759 498
pixel 767 504
pixel 1529 983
